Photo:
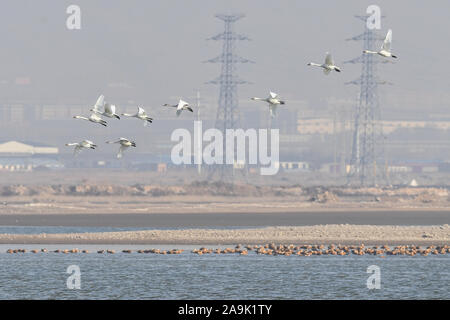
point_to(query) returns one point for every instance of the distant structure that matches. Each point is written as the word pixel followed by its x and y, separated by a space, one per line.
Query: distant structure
pixel 228 116
pixel 14 148
pixel 367 165
pixel 27 156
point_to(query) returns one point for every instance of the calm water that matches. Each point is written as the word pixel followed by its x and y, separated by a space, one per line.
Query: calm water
pixel 83 229
pixel 188 276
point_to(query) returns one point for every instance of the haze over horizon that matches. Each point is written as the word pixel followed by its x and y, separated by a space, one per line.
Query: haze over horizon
pixel 149 53
pixel 152 52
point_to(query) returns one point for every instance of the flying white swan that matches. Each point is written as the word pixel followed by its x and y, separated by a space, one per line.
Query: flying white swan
pixel 87 144
pixel 141 114
pixel 385 48
pixel 104 109
pixel 93 118
pixel 99 104
pixel 182 105
pixel 328 65
pixel 124 144
pixel 273 100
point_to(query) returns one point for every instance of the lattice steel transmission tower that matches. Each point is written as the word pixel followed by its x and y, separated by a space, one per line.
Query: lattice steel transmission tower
pixel 228 116
pixel 367 163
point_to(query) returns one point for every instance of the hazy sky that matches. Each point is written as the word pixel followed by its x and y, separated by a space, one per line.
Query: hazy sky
pixel 152 51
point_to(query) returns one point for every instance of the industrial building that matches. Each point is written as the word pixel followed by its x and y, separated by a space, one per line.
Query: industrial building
pixel 27 156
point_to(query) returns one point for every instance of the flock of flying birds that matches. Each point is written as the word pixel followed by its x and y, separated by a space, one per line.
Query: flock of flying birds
pixel 101 108
pixel 108 110
pixel 274 100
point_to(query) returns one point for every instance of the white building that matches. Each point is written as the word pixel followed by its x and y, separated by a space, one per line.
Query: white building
pixel 23 156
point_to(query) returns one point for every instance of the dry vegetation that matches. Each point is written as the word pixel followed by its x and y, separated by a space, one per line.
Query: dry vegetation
pixel 101 191
pixel 222 189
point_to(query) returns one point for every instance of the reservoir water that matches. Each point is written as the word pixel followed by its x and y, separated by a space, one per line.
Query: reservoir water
pixel 189 276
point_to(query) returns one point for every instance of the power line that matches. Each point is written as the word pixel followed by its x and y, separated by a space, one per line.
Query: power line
pixel 228 116
pixel 367 156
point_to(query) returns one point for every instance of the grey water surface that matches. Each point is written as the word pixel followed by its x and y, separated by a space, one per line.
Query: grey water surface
pixel 189 276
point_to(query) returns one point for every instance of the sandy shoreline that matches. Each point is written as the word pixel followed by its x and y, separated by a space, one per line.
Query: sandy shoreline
pixel 319 234
pixel 201 204
pixel 279 214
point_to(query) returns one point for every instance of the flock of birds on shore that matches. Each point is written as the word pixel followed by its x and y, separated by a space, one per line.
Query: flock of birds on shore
pixel 285 250
pixel 109 110
pixel 101 108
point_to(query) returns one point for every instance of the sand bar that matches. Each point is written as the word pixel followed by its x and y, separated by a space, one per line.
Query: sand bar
pixel 320 234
